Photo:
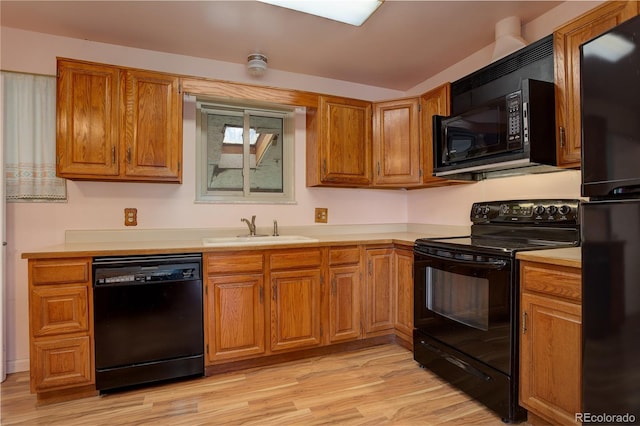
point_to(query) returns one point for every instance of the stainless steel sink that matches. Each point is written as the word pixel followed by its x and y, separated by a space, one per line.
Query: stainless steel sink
pixel 251 240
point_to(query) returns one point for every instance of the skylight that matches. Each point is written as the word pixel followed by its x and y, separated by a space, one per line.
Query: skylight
pixel 233 135
pixel 353 12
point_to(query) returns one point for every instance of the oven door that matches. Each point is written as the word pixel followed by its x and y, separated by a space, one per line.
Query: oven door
pixel 464 299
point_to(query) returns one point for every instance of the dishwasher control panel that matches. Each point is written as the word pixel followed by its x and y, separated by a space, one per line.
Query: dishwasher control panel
pixel 134 269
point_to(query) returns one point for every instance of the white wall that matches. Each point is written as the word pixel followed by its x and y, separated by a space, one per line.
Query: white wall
pixel 99 205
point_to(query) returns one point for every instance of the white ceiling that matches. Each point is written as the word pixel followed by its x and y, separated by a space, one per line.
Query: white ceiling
pixel 401 45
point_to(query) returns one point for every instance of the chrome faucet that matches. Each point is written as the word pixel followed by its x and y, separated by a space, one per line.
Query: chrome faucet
pixel 275 228
pixel 251 225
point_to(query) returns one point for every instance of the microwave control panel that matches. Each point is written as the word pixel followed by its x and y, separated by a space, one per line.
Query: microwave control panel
pixel 514 119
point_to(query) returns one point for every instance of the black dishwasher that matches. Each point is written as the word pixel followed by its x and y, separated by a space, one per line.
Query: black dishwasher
pixel 148 319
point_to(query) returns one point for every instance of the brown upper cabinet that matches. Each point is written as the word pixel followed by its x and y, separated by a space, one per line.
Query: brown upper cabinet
pixel 339 143
pixel 118 123
pixel 567 40
pixel 396 143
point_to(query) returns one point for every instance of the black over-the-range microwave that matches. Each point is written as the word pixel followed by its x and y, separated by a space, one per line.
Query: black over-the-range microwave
pixel 512 131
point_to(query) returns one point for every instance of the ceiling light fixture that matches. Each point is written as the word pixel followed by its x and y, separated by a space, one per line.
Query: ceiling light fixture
pixel 257 64
pixel 353 12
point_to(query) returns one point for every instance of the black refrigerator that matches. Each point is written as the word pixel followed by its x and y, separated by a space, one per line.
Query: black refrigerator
pixel 610 225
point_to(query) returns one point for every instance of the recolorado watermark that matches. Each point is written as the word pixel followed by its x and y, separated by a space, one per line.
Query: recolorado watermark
pixel 605 418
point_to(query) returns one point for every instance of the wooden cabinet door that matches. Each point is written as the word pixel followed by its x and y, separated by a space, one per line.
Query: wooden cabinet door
pixel 379 311
pixel 434 102
pixel 344 303
pixel 403 320
pixel 295 309
pixel 235 316
pixel 550 360
pixel 153 147
pixel 344 141
pixel 59 310
pixel 61 363
pixel 396 143
pixel 88 116
pixel 566 44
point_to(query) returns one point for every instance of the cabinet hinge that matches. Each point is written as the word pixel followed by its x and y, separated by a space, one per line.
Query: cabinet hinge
pixel 524 322
pixel 370 268
pixel 420 172
pixel 206 290
pixel 207 348
pixel 321 331
pixel 57 73
pixel 419 107
pixel 179 89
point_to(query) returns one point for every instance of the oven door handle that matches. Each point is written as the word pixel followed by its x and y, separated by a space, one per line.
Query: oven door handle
pixel 496 264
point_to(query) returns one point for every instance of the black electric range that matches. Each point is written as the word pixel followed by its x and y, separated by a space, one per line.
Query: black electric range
pixel 466 295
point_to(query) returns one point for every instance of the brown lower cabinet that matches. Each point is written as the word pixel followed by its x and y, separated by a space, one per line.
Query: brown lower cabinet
pixel 345 294
pixel 550 342
pixel 295 304
pixel 403 292
pixel 61 325
pixel 256 303
pixel 379 300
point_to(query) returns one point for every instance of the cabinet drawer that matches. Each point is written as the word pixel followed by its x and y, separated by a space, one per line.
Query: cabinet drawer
pixel 60 271
pixel 236 262
pixel 292 259
pixel 59 309
pixel 560 281
pixel 59 363
pixel 344 256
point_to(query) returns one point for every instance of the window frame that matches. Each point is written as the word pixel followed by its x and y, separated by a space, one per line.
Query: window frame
pixel 205 105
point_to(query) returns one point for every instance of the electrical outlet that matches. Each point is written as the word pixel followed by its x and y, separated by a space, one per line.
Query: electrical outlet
pixel 322 215
pixel 130 217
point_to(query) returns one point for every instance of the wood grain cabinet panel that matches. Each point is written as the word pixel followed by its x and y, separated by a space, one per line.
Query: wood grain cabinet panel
pixel 61 363
pixel 116 123
pixel 235 316
pixel 566 44
pixel 60 271
pixel 550 342
pixel 59 310
pixel 345 294
pixel 153 126
pixel 88 131
pixel 295 309
pixel 61 325
pixel 396 143
pixel 339 142
pixel 403 320
pixel 380 310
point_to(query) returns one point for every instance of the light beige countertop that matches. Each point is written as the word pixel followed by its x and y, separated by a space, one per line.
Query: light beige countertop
pixel 570 256
pixel 145 241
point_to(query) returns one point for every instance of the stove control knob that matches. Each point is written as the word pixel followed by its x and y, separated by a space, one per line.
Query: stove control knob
pixel 552 210
pixel 564 210
pixel 504 209
pixel 486 210
pixel 477 210
pixel 538 210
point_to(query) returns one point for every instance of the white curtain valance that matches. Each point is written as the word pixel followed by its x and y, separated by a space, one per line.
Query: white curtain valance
pixel 30 138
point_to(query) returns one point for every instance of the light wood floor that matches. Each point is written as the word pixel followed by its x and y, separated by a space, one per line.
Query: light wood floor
pixel 375 386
